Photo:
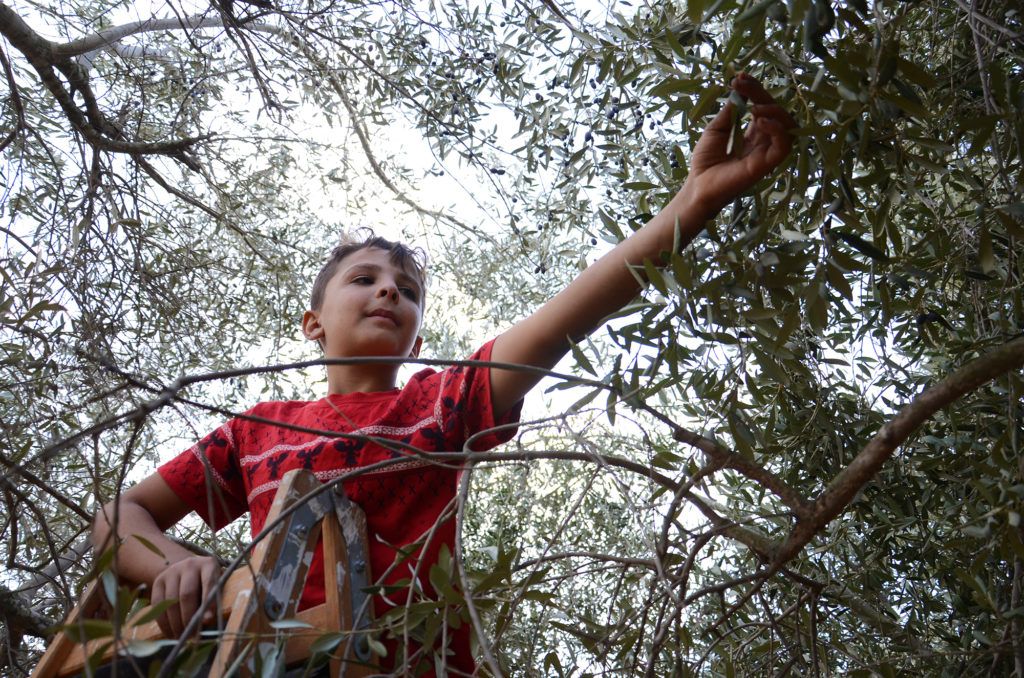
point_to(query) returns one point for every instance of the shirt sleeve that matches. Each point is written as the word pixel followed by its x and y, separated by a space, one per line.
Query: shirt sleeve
pixel 466 396
pixel 208 479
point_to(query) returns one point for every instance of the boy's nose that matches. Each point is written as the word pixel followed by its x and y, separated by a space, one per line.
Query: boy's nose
pixel 388 291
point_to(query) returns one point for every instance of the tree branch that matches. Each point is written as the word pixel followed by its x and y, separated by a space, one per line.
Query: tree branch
pixel 16 104
pixel 106 38
pixel 842 489
pixel 185 197
pixel 92 125
pixel 72 555
pixel 364 143
pixel 978 16
pixel 13 467
pixel 21 617
pixel 729 459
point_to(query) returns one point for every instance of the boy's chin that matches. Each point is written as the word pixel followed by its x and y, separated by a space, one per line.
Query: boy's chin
pixel 374 351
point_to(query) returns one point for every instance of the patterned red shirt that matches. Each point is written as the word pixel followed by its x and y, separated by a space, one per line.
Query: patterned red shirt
pixel 238 467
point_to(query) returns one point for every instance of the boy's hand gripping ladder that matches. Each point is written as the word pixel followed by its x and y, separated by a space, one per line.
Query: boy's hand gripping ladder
pixel 266 590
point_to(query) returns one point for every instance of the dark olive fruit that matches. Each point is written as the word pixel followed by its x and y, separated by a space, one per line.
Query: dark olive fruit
pixel 777 12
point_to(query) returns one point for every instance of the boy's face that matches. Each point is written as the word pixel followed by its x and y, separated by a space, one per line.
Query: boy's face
pixel 371 307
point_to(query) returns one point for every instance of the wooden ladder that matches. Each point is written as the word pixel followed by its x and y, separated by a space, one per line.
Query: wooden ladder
pixel 265 591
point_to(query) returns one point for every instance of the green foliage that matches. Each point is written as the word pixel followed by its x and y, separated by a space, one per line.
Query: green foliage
pixel 883 255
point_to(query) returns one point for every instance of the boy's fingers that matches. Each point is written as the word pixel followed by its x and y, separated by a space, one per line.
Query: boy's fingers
pixel 770 127
pixel 775 112
pixel 722 122
pixel 762 103
pixel 772 110
pixel 779 141
pixel 164 622
pixel 211 574
pixel 751 88
pixel 166 588
pixel 165 626
pixel 189 601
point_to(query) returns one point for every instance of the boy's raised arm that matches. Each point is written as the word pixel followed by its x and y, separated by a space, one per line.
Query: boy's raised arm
pixel 715 178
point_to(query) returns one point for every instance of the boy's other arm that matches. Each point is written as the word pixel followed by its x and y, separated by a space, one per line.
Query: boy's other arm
pixel 146 510
pixel 715 178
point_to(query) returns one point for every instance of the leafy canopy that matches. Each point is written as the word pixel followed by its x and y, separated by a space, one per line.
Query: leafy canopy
pixel 161 176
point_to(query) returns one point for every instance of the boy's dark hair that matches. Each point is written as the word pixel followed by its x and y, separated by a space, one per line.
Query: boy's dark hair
pixel 411 259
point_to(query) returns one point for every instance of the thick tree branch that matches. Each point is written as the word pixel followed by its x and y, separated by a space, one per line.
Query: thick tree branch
pixel 1001 360
pixel 16 104
pixel 106 38
pixel 21 617
pixel 97 130
pixel 757 542
pixel 71 556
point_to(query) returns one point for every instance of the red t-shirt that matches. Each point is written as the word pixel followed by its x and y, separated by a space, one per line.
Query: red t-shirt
pixel 238 467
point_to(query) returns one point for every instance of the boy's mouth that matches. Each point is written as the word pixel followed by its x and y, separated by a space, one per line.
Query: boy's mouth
pixel 382 313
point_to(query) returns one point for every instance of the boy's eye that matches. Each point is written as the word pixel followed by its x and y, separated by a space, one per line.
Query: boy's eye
pixel 363 280
pixel 409 292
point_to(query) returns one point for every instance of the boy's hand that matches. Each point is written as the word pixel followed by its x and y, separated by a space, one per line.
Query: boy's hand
pixel 189 581
pixel 717 176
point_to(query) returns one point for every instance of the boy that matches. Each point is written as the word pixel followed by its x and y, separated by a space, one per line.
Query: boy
pixel 368 302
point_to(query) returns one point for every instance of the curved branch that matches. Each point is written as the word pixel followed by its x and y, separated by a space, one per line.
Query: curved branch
pixel 16 104
pixel 842 489
pixel 21 617
pixel 973 13
pixel 729 459
pixel 364 143
pixel 106 38
pixel 14 467
pixel 92 124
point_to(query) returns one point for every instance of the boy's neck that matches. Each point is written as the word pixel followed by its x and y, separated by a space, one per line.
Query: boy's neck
pixel 345 379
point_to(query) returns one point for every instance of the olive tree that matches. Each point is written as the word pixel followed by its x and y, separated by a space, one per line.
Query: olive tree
pixel 800 449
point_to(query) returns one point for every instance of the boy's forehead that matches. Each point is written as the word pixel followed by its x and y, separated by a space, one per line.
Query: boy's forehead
pixel 375 257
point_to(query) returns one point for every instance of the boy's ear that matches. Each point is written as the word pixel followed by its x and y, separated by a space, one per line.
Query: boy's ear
pixel 415 352
pixel 311 327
